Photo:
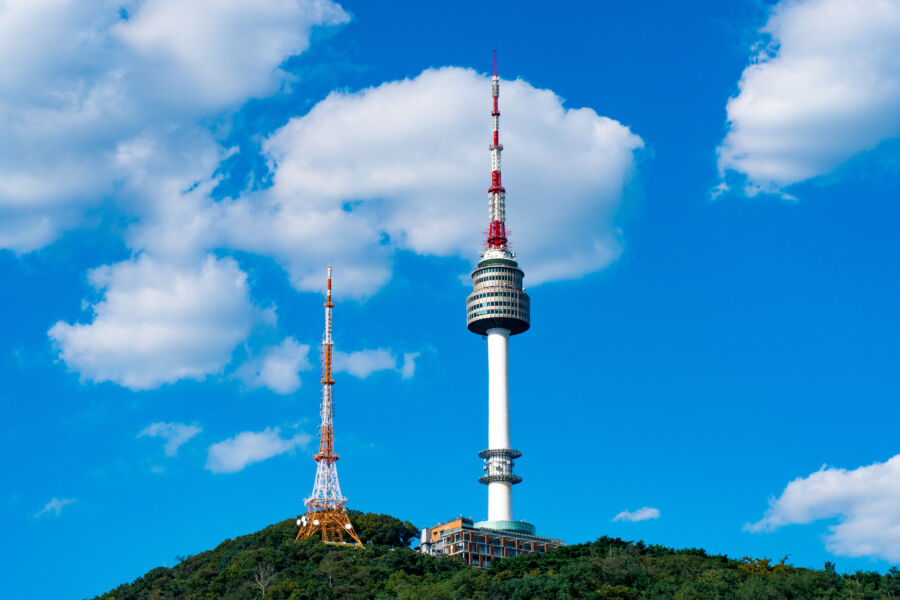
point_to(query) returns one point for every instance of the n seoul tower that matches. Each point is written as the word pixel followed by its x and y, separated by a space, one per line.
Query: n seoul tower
pixel 498 308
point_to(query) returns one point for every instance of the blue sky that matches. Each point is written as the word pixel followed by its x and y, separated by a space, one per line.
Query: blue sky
pixel 703 198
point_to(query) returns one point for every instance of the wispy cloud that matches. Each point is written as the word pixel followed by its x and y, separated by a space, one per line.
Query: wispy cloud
pixel 866 500
pixel 408 369
pixel 175 434
pixel 642 514
pixel 248 447
pixel 363 363
pixel 55 506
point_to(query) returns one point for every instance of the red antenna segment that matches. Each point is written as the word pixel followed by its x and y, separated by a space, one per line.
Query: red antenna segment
pixel 496 193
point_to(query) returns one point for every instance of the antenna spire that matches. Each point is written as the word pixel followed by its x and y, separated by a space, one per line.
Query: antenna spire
pixel 496 193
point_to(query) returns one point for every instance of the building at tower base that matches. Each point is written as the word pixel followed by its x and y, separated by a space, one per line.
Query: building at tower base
pixel 479 546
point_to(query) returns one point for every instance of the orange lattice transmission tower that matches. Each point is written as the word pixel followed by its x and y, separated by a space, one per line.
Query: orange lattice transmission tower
pixel 325 508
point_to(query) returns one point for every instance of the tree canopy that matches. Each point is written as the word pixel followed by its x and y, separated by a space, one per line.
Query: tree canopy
pixel 382 529
pixel 608 568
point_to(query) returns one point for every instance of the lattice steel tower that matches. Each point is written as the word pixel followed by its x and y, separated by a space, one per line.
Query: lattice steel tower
pixel 497 308
pixel 325 508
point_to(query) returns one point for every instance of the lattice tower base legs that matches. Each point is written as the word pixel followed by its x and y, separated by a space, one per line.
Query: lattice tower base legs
pixel 333 523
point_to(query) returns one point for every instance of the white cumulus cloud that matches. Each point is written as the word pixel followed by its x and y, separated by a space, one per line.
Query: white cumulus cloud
pixel 357 164
pixel 824 87
pixel 641 514
pixel 405 165
pixel 55 506
pixel 175 434
pixel 278 367
pixel 81 82
pixel 219 52
pixel 354 181
pixel 866 502
pixel 248 447
pixel 158 323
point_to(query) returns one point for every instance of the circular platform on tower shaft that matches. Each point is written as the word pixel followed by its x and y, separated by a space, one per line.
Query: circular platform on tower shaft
pixel 498 299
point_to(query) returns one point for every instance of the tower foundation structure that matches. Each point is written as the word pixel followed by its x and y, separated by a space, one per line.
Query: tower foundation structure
pixel 480 546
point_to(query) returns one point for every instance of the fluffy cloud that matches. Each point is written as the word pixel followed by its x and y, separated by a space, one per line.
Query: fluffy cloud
pixel 405 165
pixel 278 367
pixel 219 52
pixel 158 323
pixel 641 514
pixel 175 434
pixel 232 455
pixel 359 166
pixel 865 500
pixel 354 181
pixel 824 87
pixel 80 84
pixel 55 506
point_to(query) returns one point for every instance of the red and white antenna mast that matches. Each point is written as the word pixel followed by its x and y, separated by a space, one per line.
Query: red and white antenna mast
pixel 496 193
pixel 325 508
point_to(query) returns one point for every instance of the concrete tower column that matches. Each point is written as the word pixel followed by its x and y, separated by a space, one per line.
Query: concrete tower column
pixel 498 387
pixel 499 492
pixel 500 501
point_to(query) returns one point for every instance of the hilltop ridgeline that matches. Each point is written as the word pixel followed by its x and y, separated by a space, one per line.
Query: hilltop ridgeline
pixel 269 560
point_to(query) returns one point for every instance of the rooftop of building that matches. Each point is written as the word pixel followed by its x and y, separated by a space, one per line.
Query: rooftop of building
pixel 517 529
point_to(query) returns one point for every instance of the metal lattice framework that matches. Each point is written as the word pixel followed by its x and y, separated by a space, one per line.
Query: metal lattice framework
pixel 325 508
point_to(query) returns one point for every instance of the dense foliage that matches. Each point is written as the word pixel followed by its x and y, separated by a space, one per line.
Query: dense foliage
pixel 382 529
pixel 605 569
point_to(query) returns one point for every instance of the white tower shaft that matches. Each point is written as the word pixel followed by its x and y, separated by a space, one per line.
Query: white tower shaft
pixel 498 387
pixel 499 492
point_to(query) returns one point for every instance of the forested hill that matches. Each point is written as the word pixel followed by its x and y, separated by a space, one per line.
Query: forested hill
pixel 607 568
